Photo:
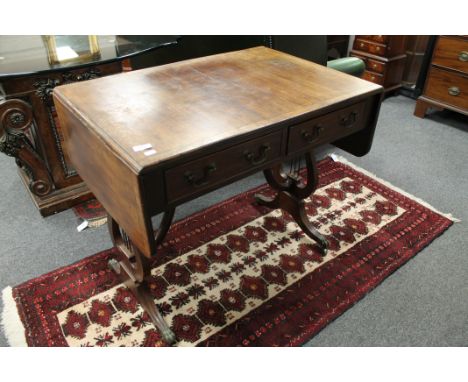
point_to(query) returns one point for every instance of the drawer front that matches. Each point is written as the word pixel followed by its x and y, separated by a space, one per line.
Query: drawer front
pixel 375 66
pixel 191 177
pixel 451 53
pixel 371 65
pixel 370 47
pixel 373 77
pixel 377 38
pixel 447 87
pixel 326 128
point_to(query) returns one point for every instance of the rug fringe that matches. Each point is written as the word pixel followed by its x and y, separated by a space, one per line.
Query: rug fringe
pixel 11 324
pixel 339 158
pixel 94 223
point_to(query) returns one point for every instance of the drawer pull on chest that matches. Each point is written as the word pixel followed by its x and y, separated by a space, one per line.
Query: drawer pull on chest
pixel 190 177
pixel 463 56
pixel 311 137
pixel 262 155
pixel 454 91
pixel 349 120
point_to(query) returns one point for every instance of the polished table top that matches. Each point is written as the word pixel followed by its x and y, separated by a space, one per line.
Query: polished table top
pixel 191 104
pixel 29 55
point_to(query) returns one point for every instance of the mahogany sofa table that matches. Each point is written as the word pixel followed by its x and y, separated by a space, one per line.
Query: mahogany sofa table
pixel 149 140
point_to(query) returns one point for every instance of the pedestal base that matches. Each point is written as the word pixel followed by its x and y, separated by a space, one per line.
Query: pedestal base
pixel 135 269
pixel 58 200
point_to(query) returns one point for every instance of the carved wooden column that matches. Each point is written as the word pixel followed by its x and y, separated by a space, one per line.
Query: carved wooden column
pixel 15 122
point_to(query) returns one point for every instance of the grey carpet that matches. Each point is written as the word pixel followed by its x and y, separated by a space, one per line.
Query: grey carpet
pixel 424 303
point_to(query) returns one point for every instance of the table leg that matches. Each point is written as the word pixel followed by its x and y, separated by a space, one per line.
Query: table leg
pixel 291 194
pixel 135 270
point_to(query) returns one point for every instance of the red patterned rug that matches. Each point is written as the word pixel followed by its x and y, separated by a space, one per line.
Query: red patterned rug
pixel 92 212
pixel 237 274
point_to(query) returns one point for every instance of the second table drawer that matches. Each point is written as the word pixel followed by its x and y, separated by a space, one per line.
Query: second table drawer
pixel 199 174
pixel 327 128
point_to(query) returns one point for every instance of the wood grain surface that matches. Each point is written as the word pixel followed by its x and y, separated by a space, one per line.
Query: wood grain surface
pixel 188 105
pixel 448 53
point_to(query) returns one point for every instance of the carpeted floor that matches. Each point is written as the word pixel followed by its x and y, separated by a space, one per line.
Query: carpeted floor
pixel 422 304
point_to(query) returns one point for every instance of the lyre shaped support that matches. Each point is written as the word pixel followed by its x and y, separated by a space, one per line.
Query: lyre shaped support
pixel 135 271
pixel 291 194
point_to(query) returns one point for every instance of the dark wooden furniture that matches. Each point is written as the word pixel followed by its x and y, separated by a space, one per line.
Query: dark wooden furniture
pixel 384 57
pixel 415 49
pixel 416 64
pixel 446 85
pixel 179 131
pixel 337 46
pixel 30 68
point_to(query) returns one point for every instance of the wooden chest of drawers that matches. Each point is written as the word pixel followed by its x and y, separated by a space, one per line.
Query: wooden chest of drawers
pixel 447 79
pixel 384 57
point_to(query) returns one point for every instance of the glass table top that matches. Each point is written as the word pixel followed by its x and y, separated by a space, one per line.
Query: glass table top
pixel 28 55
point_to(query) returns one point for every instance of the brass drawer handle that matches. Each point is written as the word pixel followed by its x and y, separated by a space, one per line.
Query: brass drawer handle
pixel 454 91
pixel 262 155
pixel 463 56
pixel 349 120
pixel 190 177
pixel 311 137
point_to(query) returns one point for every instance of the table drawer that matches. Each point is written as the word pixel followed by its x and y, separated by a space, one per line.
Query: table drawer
pixel 326 128
pixel 373 77
pixel 370 47
pixel 194 176
pixel 452 53
pixel 447 87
